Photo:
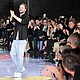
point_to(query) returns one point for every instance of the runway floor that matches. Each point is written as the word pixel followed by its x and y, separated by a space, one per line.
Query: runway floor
pixel 33 66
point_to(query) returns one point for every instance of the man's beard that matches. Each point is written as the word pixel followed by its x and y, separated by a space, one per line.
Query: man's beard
pixel 22 13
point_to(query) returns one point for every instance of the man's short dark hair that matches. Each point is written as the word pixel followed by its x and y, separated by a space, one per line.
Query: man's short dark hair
pixel 70 62
pixel 24 5
pixel 72 52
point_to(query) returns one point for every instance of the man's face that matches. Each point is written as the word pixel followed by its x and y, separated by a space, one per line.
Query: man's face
pixel 78 25
pixel 37 22
pixel 45 23
pixel 22 9
pixel 71 24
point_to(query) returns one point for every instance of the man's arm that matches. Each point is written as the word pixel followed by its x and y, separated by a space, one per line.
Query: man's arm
pixel 14 16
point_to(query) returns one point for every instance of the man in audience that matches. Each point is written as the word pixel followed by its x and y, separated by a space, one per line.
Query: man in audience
pixel 71 63
pixel 73 41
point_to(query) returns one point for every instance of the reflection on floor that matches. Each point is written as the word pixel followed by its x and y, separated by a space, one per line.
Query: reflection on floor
pixel 30 78
pixel 3 50
pixel 33 66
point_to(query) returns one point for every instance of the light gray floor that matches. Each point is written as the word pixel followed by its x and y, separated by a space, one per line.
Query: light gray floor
pixel 33 66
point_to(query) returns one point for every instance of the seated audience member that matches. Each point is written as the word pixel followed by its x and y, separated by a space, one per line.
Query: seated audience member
pixel 75 55
pixel 48 48
pixel 73 41
pixel 71 27
pixel 74 52
pixel 53 72
pixel 58 55
pixel 72 66
pixel 70 63
pixel 77 30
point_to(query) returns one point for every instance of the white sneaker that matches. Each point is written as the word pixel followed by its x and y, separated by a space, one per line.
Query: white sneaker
pixel 23 69
pixel 17 78
pixel 17 75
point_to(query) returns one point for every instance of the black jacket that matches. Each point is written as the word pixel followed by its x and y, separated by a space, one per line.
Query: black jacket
pixel 21 27
pixel 77 74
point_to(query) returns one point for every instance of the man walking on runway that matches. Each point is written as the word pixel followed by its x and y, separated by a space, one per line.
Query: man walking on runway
pixel 19 38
